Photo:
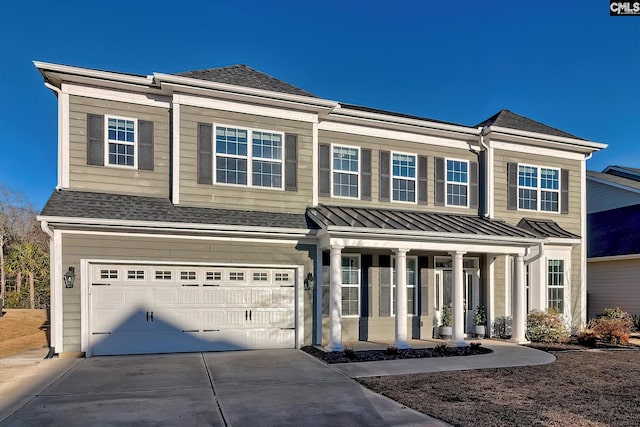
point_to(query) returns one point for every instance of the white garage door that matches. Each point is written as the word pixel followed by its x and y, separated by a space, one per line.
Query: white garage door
pixel 139 309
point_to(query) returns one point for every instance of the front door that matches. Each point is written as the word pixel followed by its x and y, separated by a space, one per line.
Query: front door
pixel 444 289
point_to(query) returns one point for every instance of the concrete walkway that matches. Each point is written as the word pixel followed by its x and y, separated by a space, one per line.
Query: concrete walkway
pixel 504 355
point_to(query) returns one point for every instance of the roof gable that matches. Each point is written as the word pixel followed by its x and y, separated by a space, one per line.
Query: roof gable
pixel 511 120
pixel 243 75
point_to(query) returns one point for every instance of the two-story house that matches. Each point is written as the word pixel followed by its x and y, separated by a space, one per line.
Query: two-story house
pixel 226 209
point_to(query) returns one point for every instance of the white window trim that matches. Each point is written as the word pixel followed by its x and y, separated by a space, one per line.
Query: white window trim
pixel 358 286
pixel 447 182
pixel 414 285
pixel 539 188
pixel 107 141
pixel 359 173
pixel 249 157
pixel 565 266
pixel 414 179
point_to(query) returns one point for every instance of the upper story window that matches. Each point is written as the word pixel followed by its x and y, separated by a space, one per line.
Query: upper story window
pixel 121 141
pixel 346 171
pixel 403 170
pixel 248 157
pixel 457 182
pixel 538 188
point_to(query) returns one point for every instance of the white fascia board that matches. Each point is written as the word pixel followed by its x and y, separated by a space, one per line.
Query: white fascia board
pixel 562 241
pixel 237 107
pixel 159 225
pixel 393 134
pixel 188 81
pixel 613 184
pixel 389 118
pixel 542 151
pixel 435 236
pixel 117 95
pixel 614 258
pixel 45 67
pixel 623 170
pixel 550 140
pixel 447 247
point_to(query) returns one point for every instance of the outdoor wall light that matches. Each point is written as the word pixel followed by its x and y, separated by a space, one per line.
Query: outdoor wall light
pixel 69 278
pixel 309 282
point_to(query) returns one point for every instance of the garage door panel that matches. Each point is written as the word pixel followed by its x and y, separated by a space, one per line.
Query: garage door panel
pixel 138 309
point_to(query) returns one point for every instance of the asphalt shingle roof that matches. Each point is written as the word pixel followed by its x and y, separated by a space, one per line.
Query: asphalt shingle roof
pixel 243 75
pixel 392 113
pixel 391 219
pixel 545 228
pixel 81 204
pixel 614 232
pixel 615 179
pixel 511 120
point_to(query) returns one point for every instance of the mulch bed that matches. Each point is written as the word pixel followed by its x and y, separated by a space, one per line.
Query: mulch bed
pixel 349 356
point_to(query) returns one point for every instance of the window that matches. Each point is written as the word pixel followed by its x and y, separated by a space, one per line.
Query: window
pixel 236 276
pixel 538 188
pixel 260 277
pixel 346 162
pixel 403 171
pixel 163 275
pixel 282 277
pixel 350 285
pixel 135 274
pixel 121 141
pixel 555 284
pixel 187 275
pixel 108 274
pixel 213 275
pixel 412 281
pixel 257 164
pixel 457 182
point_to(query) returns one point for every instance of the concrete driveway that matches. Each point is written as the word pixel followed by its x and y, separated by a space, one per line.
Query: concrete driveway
pixel 247 388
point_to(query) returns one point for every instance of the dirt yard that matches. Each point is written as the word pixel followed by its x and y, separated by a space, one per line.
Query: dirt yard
pixel 22 329
pixel 582 388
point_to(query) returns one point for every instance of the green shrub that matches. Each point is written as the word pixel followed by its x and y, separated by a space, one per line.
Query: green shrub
pixel 546 327
pixel 479 315
pixel 446 320
pixel 20 299
pixel 612 325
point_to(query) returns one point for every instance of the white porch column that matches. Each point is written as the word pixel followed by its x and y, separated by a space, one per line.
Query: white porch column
pixel 458 299
pixel 518 307
pixel 401 298
pixel 335 300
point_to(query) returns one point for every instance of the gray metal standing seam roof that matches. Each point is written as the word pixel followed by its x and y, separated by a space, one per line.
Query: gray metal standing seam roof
pixel 83 204
pixel 391 219
pixel 545 228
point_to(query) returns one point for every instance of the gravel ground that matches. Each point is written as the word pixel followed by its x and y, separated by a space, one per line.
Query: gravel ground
pixel 582 388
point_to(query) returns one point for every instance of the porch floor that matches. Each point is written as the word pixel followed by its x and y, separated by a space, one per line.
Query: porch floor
pixel 383 345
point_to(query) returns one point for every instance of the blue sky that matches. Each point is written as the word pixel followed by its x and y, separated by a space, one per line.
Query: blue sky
pixel 567 64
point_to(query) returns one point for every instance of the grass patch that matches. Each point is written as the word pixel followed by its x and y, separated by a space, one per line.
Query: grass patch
pixel 21 330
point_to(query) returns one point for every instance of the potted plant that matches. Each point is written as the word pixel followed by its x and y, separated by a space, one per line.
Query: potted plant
pixel 480 320
pixel 445 322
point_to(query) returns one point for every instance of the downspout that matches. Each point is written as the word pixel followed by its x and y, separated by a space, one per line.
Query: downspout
pixel 58 93
pixel 488 176
pixel 535 257
pixel 45 227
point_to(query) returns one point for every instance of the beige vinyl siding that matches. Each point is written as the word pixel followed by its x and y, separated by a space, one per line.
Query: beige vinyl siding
pixel 117 179
pixel 499 287
pixel 577 287
pixel 238 196
pixel 570 221
pixel 613 284
pixel 167 250
pixel 602 197
pixel 382 144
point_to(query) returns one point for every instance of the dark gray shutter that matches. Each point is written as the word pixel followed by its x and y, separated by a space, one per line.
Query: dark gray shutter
pixel 205 153
pixel 439 181
pixel 564 191
pixel 365 178
pixel 512 186
pixel 473 185
pixel 385 285
pixel 422 180
pixel 384 176
pixel 324 170
pixel 423 275
pixel 291 162
pixel 145 145
pixel 95 139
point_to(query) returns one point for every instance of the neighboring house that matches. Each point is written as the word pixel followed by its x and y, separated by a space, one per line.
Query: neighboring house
pixel 613 269
pixel 226 209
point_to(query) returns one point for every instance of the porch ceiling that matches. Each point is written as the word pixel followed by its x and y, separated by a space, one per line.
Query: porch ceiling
pixel 341 218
